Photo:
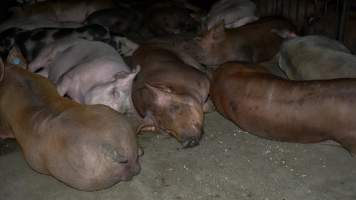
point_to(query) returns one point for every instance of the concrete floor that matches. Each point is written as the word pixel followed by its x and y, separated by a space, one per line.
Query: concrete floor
pixel 227 165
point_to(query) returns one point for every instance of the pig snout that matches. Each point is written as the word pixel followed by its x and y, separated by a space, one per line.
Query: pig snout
pixel 191 137
pixel 131 170
pixel 129 165
pixel 188 142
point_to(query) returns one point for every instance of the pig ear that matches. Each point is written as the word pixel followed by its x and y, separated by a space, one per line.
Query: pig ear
pixel 125 78
pixel 216 32
pixel 15 57
pixel 284 33
pixel 162 93
pixel 214 35
pixel 158 88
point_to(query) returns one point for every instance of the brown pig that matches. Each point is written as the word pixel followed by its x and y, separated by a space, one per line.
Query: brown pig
pixel 285 110
pixel 86 147
pixel 169 94
pixel 255 42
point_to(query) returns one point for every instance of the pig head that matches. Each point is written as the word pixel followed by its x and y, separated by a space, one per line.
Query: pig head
pixel 86 147
pixel 115 94
pixel 169 95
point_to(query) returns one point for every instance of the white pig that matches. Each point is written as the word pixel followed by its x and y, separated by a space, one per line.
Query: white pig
pixel 316 57
pixel 88 72
pixel 234 13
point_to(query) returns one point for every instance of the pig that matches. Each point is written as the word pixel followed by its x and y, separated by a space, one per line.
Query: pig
pixel 31 42
pixel 316 57
pixel 87 147
pixel 169 94
pixel 327 25
pixel 253 43
pixel 120 20
pixel 220 45
pixel 285 110
pixel 54 13
pixel 298 12
pixel 162 20
pixel 63 10
pixel 88 72
pixel 233 13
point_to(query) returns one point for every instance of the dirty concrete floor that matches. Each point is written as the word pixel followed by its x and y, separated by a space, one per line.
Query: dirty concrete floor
pixel 227 165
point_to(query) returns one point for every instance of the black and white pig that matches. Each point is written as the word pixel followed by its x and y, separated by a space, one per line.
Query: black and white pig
pixel 30 42
pixel 89 72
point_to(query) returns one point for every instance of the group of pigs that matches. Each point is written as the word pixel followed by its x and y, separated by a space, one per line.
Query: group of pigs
pixel 74 70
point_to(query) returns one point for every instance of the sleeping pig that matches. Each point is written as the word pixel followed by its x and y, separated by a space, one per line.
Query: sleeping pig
pixel 233 13
pixel 169 94
pixel 88 147
pixel 89 72
pixel 31 42
pixel 316 57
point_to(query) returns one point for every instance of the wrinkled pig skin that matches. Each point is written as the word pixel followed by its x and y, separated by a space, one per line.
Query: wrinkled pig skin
pixel 316 57
pixel 169 94
pixel 32 41
pixel 234 13
pixel 285 110
pixel 253 43
pixel 88 72
pixel 86 147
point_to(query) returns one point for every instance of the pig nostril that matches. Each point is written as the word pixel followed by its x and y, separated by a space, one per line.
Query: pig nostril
pixel 124 161
pixel 191 142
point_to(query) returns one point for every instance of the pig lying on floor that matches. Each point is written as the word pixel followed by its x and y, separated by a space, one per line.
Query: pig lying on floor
pixel 285 110
pixel 32 41
pixel 54 13
pixel 86 147
pixel 233 13
pixel 88 72
pixel 316 57
pixel 169 94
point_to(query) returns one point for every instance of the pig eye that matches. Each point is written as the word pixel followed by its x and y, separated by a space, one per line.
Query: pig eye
pixel 174 108
pixel 123 161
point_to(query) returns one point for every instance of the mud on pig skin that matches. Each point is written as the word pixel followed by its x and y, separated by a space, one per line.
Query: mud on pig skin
pixel 86 147
pixel 169 94
pixel 285 110
pixel 316 57
pixel 89 72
